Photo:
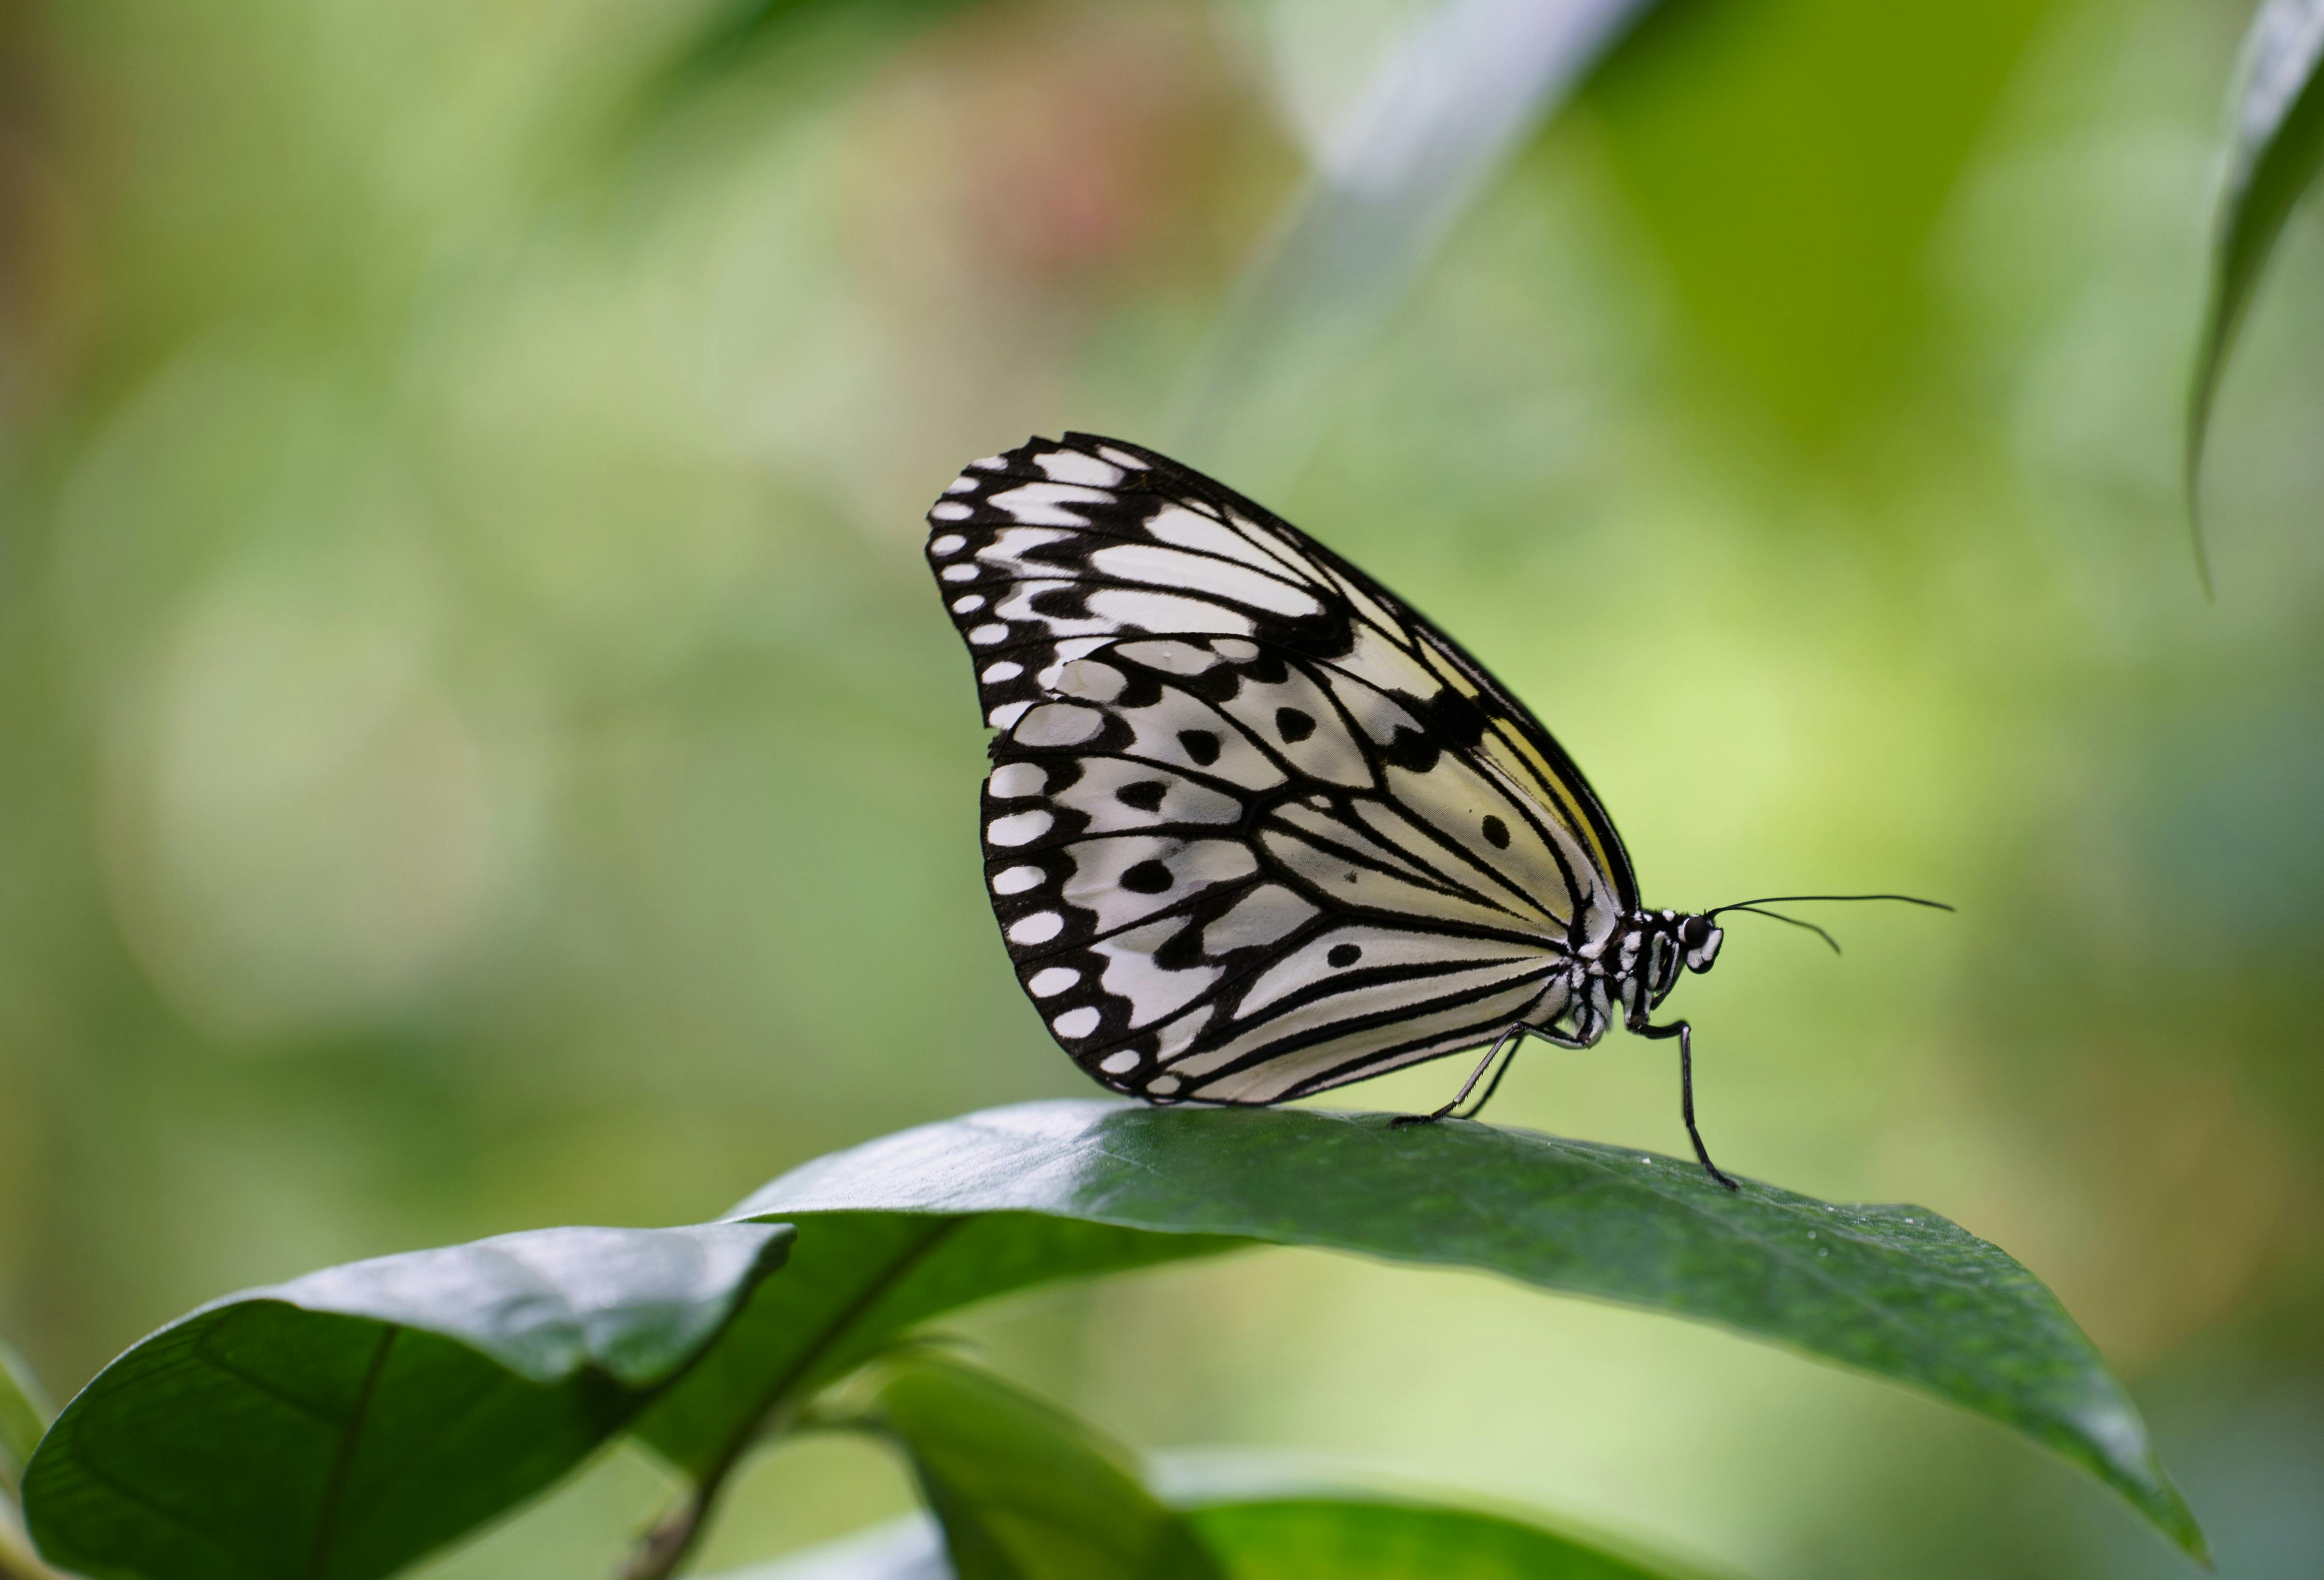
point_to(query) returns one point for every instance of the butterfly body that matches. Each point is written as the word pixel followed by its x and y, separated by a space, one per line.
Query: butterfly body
pixel 1255 828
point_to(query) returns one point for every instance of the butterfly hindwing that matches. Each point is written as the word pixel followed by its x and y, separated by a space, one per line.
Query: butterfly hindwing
pixel 1256 828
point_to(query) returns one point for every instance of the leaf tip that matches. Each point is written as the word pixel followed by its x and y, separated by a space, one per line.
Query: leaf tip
pixel 2199 428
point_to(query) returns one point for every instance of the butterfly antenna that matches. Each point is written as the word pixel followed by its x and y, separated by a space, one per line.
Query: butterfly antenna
pixel 1779 917
pixel 1803 899
pixel 1752 906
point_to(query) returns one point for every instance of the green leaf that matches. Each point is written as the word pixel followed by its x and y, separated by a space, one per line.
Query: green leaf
pixel 24 1413
pixel 854 1282
pixel 1328 1533
pixel 337 1426
pixel 1344 1537
pixel 1024 1491
pixel 2272 156
pixel 904 1227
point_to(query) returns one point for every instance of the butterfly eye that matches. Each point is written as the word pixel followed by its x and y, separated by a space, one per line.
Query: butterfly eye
pixel 1702 950
pixel 1692 931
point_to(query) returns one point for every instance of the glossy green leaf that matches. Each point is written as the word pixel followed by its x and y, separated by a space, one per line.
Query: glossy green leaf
pixel 337 1426
pixel 23 1415
pixel 2276 148
pixel 855 1280
pixel 1022 1490
pixel 914 1224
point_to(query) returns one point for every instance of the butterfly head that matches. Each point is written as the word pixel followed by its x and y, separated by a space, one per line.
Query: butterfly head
pixel 1656 946
pixel 1698 938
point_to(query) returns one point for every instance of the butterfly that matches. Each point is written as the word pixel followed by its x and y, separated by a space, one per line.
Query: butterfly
pixel 1255 828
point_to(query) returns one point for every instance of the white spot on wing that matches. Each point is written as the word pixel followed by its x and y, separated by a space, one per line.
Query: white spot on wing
pixel 960 485
pixel 1059 724
pixel 1073 467
pixel 984 636
pixel 1121 457
pixel 948 511
pixel 950 543
pixel 1075 1023
pixel 1120 1064
pixel 1018 828
pixel 1016 880
pixel 1006 670
pixel 968 605
pixel 1010 780
pixel 1173 658
pixel 1008 714
pixel 1053 981
pixel 958 574
pixel 1038 928
pixel 1085 677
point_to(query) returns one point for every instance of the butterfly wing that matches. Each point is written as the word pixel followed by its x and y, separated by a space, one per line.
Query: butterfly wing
pixel 1256 828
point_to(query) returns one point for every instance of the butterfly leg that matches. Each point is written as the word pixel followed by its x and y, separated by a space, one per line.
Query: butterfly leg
pixel 1515 1039
pixel 1491 1053
pixel 1685 1036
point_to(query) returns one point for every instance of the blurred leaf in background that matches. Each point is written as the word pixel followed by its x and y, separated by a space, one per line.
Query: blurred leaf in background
pixel 2277 144
pixel 1793 160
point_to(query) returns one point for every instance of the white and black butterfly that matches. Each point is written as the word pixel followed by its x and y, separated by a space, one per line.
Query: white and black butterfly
pixel 1255 828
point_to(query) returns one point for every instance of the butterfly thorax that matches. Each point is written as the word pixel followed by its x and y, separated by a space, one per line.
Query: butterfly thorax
pixel 1640 961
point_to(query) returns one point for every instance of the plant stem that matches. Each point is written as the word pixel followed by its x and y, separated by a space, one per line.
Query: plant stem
pixel 665 1546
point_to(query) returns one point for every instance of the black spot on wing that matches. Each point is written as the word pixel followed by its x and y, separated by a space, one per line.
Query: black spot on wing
pixel 1413 750
pixel 1497 832
pixel 1218 684
pixel 1268 666
pixel 1182 951
pixel 1294 724
pixel 1146 877
pixel 1456 719
pixel 1202 745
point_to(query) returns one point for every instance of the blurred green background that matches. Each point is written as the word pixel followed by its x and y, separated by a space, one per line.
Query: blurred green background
pixel 478 750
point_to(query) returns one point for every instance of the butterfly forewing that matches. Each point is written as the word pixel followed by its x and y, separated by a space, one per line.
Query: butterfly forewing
pixel 1254 828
